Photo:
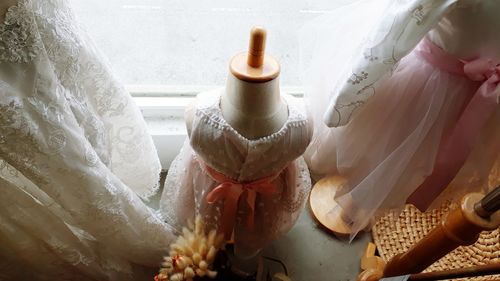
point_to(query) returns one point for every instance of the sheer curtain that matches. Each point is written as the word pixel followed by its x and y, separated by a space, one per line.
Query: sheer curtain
pixel 75 157
pixel 329 46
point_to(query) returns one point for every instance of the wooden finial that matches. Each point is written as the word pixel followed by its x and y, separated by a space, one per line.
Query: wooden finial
pixel 255 65
pixel 256 47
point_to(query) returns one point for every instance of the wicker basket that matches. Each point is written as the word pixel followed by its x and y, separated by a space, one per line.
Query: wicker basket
pixel 395 234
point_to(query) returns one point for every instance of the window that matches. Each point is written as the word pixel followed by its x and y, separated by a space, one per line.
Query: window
pixel 167 51
pixel 190 42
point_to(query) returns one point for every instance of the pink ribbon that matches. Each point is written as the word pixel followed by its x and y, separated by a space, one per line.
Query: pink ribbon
pixel 456 147
pixel 230 191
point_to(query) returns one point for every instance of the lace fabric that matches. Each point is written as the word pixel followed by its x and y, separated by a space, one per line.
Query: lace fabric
pixel 222 148
pixel 75 156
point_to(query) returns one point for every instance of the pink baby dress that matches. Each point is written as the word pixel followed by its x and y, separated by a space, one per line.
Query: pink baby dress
pixel 412 108
pixel 252 189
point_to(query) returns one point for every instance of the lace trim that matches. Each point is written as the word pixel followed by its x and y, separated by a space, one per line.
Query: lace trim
pixel 209 112
pixel 302 185
pixel 19 42
pixel 218 122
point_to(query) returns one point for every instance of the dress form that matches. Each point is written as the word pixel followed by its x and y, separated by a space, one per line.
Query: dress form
pixel 252 104
pixel 467 31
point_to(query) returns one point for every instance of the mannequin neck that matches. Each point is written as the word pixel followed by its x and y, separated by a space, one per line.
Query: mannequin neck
pixel 253 100
pixel 253 109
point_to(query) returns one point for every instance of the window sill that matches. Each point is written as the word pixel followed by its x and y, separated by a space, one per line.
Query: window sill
pixel 165 120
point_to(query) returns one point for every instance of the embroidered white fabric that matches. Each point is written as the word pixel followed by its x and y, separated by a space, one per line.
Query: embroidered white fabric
pixel 75 156
pixel 384 33
pixel 222 148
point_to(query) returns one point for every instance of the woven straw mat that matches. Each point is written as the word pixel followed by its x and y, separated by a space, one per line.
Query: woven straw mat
pixel 395 234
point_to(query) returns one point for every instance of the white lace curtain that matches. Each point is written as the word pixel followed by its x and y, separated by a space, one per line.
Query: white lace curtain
pixel 75 157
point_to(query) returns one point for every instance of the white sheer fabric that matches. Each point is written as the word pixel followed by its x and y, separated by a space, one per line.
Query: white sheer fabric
pixel 391 106
pixel 327 53
pixel 75 156
pixel 223 149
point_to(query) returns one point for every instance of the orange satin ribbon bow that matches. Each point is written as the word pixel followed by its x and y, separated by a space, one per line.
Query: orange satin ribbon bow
pixel 230 191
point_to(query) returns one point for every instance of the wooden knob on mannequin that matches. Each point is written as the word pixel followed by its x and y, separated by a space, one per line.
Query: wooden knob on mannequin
pixel 257 47
pixel 255 65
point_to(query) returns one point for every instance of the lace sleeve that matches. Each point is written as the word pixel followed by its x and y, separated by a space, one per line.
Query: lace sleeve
pixel 404 24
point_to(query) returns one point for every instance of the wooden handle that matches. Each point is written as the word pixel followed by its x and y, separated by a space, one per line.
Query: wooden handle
pixel 451 233
pixel 460 227
pixel 489 204
pixel 473 271
pixel 256 47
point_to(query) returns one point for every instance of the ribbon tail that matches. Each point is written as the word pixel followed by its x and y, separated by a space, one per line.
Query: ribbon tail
pixel 217 193
pixel 250 198
pixel 228 218
pixel 230 210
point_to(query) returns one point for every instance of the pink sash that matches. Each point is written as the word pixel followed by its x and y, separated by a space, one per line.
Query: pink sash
pixel 456 147
pixel 230 191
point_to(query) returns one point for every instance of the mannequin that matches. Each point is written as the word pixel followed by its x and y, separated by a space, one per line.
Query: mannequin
pixel 241 167
pixel 252 103
pixel 466 31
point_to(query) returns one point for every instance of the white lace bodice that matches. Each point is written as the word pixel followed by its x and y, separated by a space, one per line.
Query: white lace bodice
pixel 465 28
pixel 224 149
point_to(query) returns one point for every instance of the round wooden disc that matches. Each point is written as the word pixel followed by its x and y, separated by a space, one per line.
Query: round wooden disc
pixel 322 202
pixel 269 70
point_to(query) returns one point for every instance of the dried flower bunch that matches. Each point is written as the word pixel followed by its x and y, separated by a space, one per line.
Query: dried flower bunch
pixel 192 254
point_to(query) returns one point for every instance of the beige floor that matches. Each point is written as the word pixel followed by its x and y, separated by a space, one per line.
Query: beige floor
pixel 311 253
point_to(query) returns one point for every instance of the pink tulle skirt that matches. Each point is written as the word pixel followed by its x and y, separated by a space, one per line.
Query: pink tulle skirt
pixel 390 147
